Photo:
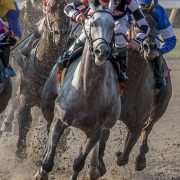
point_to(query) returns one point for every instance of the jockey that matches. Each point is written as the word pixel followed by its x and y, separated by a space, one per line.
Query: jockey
pixel 9 27
pixel 165 32
pixel 121 10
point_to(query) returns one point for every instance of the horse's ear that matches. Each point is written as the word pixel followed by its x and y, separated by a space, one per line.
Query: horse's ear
pixel 111 5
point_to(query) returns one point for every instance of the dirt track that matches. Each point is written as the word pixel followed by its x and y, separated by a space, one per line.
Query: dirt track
pixel 163 158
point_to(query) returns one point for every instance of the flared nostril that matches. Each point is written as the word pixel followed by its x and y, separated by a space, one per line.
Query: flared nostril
pixel 98 52
pixel 102 51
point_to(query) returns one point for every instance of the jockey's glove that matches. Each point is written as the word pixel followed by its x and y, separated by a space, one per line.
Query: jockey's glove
pixel 11 41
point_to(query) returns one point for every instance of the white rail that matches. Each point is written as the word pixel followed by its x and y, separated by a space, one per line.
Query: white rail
pixel 170 3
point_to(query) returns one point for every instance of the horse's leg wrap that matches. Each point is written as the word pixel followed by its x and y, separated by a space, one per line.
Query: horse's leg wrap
pixel 56 131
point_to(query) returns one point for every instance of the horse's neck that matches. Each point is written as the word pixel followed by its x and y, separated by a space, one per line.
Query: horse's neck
pixel 88 76
pixel 47 50
pixel 138 71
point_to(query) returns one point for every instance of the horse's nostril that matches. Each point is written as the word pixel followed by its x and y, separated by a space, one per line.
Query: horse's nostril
pixel 97 52
pixel 146 47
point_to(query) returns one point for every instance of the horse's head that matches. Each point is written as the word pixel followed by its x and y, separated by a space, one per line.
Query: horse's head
pixel 100 34
pixel 53 19
pixel 150 47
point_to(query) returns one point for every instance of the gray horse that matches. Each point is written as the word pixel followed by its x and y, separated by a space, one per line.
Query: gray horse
pixel 89 98
pixel 35 67
pixel 142 107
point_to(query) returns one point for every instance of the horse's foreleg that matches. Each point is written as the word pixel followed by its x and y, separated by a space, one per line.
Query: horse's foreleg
pixel 141 158
pixel 48 97
pixel 24 122
pixel 80 160
pixel 57 129
pixel 131 139
pixel 98 168
pixel 47 107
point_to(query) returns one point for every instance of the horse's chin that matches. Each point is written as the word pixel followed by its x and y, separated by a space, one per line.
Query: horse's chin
pixel 100 61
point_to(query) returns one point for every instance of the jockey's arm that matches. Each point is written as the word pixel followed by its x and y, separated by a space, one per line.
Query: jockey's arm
pixel 74 10
pixel 14 25
pixel 165 29
pixel 139 17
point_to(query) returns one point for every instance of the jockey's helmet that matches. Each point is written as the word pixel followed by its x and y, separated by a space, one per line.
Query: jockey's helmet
pixel 148 4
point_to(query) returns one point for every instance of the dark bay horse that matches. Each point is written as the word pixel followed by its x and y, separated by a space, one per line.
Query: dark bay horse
pixel 89 97
pixel 5 94
pixel 5 90
pixel 142 107
pixel 35 67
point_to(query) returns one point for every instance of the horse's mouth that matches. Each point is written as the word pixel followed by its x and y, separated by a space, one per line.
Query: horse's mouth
pixel 100 60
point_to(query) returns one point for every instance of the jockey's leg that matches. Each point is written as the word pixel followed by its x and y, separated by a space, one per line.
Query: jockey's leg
pixel 66 59
pixel 120 58
pixel 120 50
pixel 156 65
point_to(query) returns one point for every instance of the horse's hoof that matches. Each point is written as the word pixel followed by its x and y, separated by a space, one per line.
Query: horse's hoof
pixel 140 163
pixel 94 174
pixel 73 177
pixel 6 127
pixel 121 160
pixel 97 172
pixel 41 175
pixel 102 168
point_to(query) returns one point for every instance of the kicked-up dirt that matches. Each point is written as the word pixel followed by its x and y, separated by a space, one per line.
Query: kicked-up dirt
pixel 163 159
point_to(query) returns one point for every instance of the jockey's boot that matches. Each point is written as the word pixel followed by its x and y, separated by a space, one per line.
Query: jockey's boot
pixel 156 65
pixel 29 43
pixel 65 60
pixel 120 62
pixel 120 57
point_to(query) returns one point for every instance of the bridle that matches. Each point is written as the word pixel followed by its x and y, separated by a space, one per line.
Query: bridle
pixel 89 37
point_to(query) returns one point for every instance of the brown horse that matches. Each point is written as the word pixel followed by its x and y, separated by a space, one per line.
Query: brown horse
pixel 35 67
pixel 141 106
